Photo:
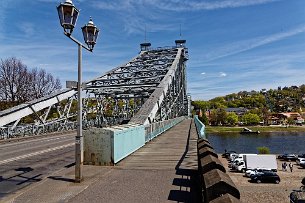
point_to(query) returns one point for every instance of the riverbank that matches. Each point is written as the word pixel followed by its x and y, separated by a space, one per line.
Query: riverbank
pixel 222 129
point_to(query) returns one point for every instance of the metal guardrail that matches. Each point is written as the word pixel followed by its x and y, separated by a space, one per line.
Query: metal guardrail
pixel 200 127
pixel 155 129
pixel 33 130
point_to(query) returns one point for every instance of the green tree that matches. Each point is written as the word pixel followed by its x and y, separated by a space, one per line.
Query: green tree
pixel 204 119
pixel 250 119
pixel 232 118
pixel 203 105
pixel 263 150
pixel 221 116
pixel 218 102
pixel 213 117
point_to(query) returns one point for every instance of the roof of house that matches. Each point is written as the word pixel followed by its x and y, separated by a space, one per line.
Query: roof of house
pixel 241 109
pixel 290 114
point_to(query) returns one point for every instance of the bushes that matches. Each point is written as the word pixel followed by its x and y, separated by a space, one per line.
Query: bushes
pixel 251 119
pixel 263 150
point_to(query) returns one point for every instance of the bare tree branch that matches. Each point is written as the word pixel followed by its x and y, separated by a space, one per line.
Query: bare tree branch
pixel 18 84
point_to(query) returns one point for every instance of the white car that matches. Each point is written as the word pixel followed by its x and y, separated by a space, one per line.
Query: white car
pixel 255 171
pixel 233 156
pixel 300 160
pixel 232 164
pixel 250 172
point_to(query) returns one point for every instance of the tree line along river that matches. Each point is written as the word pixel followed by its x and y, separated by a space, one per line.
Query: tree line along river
pixel 277 142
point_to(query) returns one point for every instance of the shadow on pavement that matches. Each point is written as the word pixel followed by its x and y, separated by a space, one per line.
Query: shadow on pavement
pixel 188 182
pixel 179 196
pixel 70 165
pixel 24 169
pixel 22 175
pixel 30 179
pixel 62 179
pixel 188 187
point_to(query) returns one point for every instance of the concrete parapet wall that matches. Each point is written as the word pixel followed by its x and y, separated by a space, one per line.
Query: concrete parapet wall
pixel 209 163
pixel 107 146
pixel 227 198
pixel 200 127
pixel 216 185
pixel 202 143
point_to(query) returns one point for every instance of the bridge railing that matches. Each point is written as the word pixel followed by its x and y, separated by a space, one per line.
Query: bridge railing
pixel 200 127
pixel 155 129
pixel 216 185
pixel 108 146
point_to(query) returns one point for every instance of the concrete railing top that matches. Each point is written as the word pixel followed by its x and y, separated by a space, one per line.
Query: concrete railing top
pixel 200 127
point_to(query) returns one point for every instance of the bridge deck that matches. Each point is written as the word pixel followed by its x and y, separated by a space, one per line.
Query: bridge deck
pixel 164 170
pixel 175 149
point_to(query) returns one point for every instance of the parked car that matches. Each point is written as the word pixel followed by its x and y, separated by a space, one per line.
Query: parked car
pixel 233 163
pixel 255 171
pixel 300 160
pixel 302 165
pixel 301 155
pixel 297 196
pixel 227 154
pixel 268 177
pixel 289 157
pixel 232 156
pixel 281 156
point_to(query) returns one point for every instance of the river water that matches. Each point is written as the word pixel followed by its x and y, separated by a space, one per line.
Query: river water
pixel 277 142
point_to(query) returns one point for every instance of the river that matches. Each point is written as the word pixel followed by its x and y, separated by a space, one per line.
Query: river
pixel 277 142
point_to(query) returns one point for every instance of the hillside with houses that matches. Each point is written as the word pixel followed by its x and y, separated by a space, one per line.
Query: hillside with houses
pixel 281 106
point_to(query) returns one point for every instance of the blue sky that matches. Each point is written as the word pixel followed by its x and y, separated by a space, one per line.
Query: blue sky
pixel 234 45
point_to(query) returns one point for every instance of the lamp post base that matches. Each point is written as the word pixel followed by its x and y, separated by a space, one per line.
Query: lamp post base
pixel 78 159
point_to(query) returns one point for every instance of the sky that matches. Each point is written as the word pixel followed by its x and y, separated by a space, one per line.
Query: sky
pixel 234 45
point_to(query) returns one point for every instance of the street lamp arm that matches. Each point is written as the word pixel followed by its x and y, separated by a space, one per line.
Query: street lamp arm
pixel 77 42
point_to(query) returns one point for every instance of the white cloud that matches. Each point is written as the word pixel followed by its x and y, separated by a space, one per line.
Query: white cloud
pixel 174 5
pixel 27 28
pixel 214 75
pixel 246 45
pixel 136 13
pixel 222 74
pixel 285 74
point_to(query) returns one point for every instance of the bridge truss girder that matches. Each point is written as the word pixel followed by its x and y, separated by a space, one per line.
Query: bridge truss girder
pixel 149 88
pixel 169 100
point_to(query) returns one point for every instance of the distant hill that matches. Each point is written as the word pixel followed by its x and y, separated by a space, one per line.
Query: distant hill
pixel 287 99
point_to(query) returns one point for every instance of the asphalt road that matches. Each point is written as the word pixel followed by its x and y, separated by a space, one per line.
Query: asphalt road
pixel 29 161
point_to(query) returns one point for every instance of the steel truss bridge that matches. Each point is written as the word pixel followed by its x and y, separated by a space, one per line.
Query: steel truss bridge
pixel 149 88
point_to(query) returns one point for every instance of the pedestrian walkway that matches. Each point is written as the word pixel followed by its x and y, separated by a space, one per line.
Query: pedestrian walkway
pixel 164 170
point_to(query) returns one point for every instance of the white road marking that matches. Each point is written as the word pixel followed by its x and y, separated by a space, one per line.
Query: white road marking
pixel 34 154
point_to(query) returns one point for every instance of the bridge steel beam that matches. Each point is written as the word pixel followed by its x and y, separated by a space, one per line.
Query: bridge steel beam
pixel 23 110
pixel 149 88
pixel 170 93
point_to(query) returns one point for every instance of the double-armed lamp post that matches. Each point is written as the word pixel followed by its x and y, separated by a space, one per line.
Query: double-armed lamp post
pixel 68 14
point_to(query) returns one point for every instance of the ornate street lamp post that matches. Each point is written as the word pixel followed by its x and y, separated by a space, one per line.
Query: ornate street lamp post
pixel 68 14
